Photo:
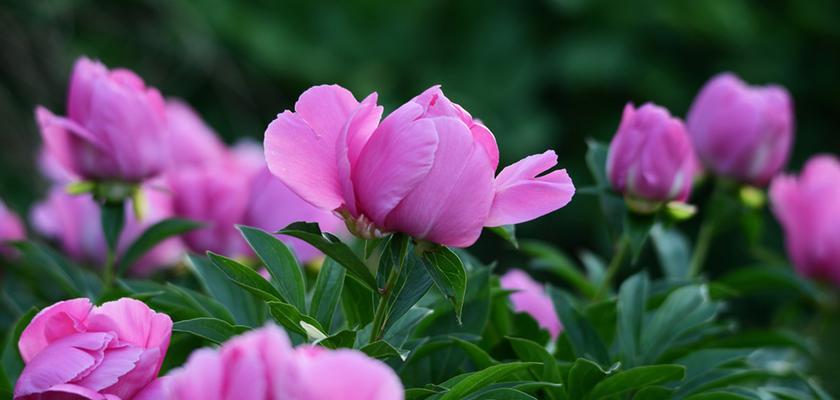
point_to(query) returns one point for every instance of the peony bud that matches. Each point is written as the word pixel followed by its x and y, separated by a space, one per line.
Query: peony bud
pixel 115 128
pixel 650 159
pixel 808 207
pixel 740 131
pixel 73 349
pixel 425 170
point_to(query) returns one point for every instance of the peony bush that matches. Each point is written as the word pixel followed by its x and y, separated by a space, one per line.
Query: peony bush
pixel 333 261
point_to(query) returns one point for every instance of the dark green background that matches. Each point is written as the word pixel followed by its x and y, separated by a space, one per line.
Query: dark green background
pixel 540 73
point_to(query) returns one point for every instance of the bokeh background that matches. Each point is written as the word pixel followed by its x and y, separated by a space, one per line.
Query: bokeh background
pixel 540 73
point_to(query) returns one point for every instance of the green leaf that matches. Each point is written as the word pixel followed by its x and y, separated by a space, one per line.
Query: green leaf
pixel 212 329
pixel 527 350
pixel 583 376
pixel 769 279
pixel 632 300
pixel 242 304
pixel 286 274
pixel 654 393
pixel 372 244
pixel 403 328
pixel 502 394
pixel 673 250
pixel 448 273
pixel 596 160
pixel 343 339
pixel 506 232
pixel 70 277
pixel 580 332
pixel 636 378
pixel 683 310
pixel 151 237
pixel 12 362
pixel 411 283
pixel 293 320
pixel 555 261
pixel 478 356
pixel 637 228
pixel 357 303
pixel 383 350
pixel 332 246
pixel 113 220
pixel 485 377
pixel 327 292
pixel 206 305
pixel 245 277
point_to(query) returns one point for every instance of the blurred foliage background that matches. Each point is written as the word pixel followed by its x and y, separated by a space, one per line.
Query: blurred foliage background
pixel 540 73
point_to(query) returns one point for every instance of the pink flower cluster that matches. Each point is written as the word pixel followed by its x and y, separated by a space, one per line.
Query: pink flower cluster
pixel 262 365
pixel 737 131
pixel 118 129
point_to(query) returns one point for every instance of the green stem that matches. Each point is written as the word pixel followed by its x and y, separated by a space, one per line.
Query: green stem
pixel 701 248
pixel 382 308
pixel 615 264
pixel 113 220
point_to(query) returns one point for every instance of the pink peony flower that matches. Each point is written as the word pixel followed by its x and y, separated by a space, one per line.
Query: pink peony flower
pixel 740 131
pixel 262 365
pixel 192 141
pixel 650 158
pixel 426 169
pixel 530 297
pixel 75 350
pixel 115 128
pixel 808 208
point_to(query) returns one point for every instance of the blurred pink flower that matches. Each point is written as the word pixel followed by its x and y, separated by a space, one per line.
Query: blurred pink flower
pixel 239 189
pixel 531 298
pixel 426 169
pixel 11 228
pixel 72 221
pixel 115 128
pixel 262 365
pixel 650 157
pixel 192 141
pixel 75 350
pixel 808 208
pixel 741 131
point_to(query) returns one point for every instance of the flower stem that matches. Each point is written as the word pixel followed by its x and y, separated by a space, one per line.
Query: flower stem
pixel 382 308
pixel 701 248
pixel 113 220
pixel 615 264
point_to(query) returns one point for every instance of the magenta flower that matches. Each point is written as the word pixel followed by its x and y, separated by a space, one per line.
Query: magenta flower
pixel 650 159
pixel 75 350
pixel 192 140
pixel 740 131
pixel 262 365
pixel 11 228
pixel 115 128
pixel 71 221
pixel 425 170
pixel 530 297
pixel 808 207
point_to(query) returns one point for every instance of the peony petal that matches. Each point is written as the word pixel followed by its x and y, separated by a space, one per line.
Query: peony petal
pixel 393 162
pixel 133 322
pixel 154 391
pixel 348 375
pixel 33 339
pixel 451 203
pixel 354 136
pixel 202 377
pixel 304 161
pixel 62 362
pixel 530 297
pixel 522 196
pixel 67 392
pixel 116 363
